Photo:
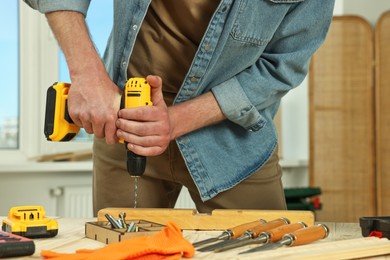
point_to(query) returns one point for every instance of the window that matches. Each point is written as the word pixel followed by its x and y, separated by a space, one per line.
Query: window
pixel 9 104
pixel 29 65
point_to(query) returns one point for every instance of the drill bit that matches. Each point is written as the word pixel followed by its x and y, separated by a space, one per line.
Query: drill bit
pixel 135 191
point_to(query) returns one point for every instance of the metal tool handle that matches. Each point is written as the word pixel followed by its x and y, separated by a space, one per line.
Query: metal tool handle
pixel 239 230
pixel 277 233
pixel 255 231
pixel 307 235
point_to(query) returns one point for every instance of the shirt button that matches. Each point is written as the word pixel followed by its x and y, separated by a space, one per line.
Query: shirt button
pixel 135 27
pixel 207 47
pixel 194 79
pixel 124 64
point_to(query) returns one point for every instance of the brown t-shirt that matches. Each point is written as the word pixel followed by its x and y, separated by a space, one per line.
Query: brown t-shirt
pixel 168 40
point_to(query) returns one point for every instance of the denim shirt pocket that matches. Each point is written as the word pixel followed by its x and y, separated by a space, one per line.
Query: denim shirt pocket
pixel 257 30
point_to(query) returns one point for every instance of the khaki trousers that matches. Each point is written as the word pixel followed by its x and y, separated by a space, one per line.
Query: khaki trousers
pixel 164 177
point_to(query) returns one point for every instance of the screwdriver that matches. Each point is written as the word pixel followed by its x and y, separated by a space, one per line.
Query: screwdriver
pixel 249 233
pixel 230 233
pixel 265 237
pixel 300 237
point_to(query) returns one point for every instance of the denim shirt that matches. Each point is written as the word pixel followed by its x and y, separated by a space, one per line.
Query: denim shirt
pixel 252 53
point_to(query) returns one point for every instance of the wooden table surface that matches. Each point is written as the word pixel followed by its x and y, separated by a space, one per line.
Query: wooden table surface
pixel 344 242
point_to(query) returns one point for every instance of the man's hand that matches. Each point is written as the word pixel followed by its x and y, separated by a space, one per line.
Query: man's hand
pixel 147 129
pixel 94 100
pixel 94 105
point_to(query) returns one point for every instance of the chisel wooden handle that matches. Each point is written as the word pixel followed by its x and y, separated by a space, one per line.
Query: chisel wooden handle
pixel 307 235
pixel 239 230
pixel 255 231
pixel 277 233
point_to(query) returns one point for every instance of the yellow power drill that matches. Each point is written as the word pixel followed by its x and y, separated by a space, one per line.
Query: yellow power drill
pixel 59 127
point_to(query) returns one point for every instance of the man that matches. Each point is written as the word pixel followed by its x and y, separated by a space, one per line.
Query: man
pixel 217 69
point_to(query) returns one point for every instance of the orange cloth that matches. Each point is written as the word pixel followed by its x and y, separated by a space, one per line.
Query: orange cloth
pixel 169 243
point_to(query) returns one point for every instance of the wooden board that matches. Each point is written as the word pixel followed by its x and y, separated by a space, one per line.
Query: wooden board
pixel 382 57
pixel 348 249
pixel 82 155
pixel 342 145
pixel 218 220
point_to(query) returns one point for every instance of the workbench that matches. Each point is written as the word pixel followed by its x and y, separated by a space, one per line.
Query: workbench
pixel 344 241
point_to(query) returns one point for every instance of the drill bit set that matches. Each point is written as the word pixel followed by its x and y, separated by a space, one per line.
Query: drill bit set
pixel 121 223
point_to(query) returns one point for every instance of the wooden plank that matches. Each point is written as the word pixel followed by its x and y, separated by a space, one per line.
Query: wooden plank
pixel 82 155
pixel 348 249
pixel 382 76
pixel 342 146
pixel 218 220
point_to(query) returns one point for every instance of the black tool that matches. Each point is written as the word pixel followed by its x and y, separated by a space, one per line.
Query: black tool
pixel 12 245
pixel 375 226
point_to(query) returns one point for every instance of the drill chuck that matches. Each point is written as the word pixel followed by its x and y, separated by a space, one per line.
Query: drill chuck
pixel 135 164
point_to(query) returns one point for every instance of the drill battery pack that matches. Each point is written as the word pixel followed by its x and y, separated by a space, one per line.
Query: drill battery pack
pixel 59 127
pixel 30 222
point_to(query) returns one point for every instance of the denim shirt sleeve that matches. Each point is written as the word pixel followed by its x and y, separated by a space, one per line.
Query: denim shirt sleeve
pixel 45 6
pixel 282 65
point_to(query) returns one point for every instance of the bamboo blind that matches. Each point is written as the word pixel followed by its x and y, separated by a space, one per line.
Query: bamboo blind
pixel 382 57
pixel 342 160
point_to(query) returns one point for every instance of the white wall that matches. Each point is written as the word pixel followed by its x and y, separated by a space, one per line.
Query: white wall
pixel 369 9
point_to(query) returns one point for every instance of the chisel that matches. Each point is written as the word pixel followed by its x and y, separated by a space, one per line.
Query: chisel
pixel 230 233
pixel 300 237
pixel 265 237
pixel 249 233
